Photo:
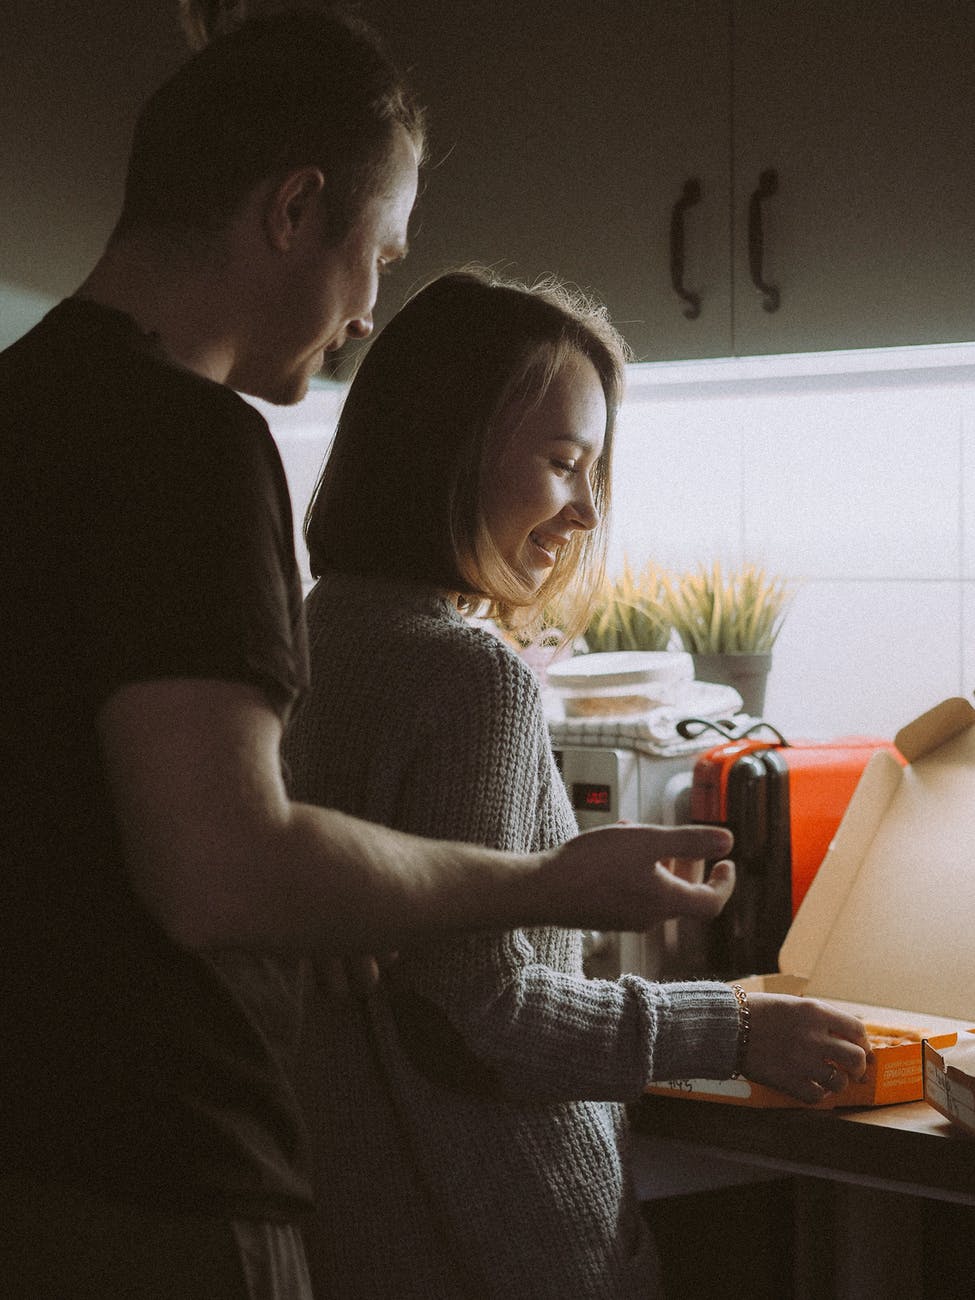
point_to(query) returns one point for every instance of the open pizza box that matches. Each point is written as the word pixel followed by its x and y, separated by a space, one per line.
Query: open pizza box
pixel 949 1080
pixel 886 928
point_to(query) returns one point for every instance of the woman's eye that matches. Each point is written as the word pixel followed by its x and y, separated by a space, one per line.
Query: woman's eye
pixel 567 466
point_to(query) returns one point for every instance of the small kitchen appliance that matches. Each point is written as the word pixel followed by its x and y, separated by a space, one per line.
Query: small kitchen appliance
pixel 638 768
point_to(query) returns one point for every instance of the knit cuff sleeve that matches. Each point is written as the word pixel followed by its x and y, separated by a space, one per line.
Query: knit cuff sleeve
pixel 696 1030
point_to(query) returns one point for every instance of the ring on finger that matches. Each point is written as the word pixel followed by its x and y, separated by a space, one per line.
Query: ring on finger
pixel 830 1079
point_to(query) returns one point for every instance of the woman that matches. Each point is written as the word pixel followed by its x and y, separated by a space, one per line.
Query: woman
pixel 467 1119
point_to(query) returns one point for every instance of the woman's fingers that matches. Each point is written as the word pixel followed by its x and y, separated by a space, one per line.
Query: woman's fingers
pixel 849 1047
pixel 804 1046
pixel 849 1061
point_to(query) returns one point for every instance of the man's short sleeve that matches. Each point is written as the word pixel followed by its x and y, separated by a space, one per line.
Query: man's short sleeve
pixel 192 572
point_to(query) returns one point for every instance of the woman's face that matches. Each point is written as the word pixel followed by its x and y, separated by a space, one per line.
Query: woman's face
pixel 539 490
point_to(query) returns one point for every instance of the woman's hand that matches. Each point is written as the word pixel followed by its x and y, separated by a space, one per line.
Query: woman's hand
pixel 802 1046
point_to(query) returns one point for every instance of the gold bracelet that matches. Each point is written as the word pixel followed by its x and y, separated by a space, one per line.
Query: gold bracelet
pixel 744 1026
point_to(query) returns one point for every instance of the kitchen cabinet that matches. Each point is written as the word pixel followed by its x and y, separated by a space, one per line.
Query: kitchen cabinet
pixel 865 112
pixel 73 79
pixel 883 1200
pixel 563 135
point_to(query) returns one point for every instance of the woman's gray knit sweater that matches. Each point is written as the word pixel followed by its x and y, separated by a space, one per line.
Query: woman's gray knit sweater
pixel 466 1120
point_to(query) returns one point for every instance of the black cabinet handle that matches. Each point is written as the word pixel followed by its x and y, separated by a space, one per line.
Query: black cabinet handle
pixel 690 195
pixel 768 185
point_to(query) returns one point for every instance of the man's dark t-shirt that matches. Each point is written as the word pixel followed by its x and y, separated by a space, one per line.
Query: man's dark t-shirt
pixel 145 533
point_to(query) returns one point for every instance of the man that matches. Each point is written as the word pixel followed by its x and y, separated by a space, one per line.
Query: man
pixel 157 882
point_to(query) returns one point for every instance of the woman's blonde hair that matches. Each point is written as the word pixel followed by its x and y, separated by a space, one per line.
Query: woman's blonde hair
pixel 401 490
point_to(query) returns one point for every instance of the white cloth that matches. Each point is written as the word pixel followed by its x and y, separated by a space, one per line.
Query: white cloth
pixel 654 732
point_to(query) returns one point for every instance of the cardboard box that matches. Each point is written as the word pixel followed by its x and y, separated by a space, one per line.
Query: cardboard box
pixel 886 928
pixel 949 1080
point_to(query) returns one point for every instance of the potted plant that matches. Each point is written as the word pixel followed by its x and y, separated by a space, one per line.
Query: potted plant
pixel 728 621
pixel 628 614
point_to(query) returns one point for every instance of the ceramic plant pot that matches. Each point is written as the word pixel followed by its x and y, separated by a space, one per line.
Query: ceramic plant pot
pixel 747 673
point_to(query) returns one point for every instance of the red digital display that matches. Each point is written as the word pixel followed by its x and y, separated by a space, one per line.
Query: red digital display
pixel 591 798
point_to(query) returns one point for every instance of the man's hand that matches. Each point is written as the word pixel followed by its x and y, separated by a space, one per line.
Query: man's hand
pixel 343 978
pixel 221 858
pixel 619 879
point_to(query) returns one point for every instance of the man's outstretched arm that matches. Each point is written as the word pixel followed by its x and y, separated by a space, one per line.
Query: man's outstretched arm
pixel 222 857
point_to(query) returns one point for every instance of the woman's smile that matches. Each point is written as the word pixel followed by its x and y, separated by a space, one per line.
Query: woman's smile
pixel 548 546
pixel 540 491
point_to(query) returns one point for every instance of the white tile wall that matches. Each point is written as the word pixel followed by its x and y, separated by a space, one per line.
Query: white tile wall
pixel 864 657
pixel 967 482
pixel 967 652
pixel 677 481
pixel 853 474
pixel 854 485
pixel 303 433
pixel 20 310
pixel 856 481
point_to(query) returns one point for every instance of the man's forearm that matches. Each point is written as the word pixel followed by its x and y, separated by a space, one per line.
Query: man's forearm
pixel 327 883
pixel 220 856
pixel 331 884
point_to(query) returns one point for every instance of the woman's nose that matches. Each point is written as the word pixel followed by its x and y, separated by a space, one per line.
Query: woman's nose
pixel 360 327
pixel 584 512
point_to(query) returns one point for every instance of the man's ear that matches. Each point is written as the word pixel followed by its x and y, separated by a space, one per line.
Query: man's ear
pixel 291 204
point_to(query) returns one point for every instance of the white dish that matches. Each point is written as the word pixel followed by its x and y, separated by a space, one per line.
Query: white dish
pixel 620 668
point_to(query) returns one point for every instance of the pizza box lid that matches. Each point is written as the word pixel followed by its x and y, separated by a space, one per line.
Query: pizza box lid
pixel 889 918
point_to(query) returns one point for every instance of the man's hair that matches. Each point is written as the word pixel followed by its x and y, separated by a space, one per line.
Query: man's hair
pixel 279 92
pixel 401 490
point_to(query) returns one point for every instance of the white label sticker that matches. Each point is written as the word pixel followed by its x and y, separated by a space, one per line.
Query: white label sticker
pixel 736 1087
